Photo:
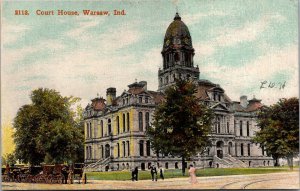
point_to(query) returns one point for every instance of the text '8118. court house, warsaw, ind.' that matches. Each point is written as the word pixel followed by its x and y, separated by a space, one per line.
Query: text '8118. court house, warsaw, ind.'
pixel 71 13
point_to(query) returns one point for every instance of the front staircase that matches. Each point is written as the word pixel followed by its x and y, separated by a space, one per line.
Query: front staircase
pixel 228 162
pixel 97 166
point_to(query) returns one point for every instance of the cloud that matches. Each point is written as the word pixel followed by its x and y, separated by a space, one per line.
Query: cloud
pixel 226 37
pixel 247 79
pixel 191 19
pixel 12 31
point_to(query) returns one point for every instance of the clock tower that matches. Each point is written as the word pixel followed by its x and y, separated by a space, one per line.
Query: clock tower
pixel 178 54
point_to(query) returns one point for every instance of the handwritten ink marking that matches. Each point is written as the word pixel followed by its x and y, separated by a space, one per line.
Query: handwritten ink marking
pixel 266 84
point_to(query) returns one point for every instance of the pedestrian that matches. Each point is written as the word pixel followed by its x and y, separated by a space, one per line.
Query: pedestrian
pixel 192 172
pixel 136 172
pixel 161 173
pixel 64 172
pixel 133 174
pixel 153 173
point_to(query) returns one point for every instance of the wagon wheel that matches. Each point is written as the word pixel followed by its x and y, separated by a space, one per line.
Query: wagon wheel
pixel 5 178
pixel 49 179
pixel 28 178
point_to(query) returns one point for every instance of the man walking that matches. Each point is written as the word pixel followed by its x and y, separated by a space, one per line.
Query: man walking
pixel 153 173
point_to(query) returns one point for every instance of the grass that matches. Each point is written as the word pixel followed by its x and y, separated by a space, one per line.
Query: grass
pixel 176 173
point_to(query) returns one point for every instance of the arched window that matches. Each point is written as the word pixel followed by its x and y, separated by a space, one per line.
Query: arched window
pixel 118 125
pixel 101 126
pixel 248 130
pixel 141 145
pixel 102 151
pixel 148 148
pixel 91 130
pixel 107 150
pixel 249 147
pixel 140 121
pixel 128 124
pixel 241 128
pixel 242 149
pixel 109 126
pixel 147 117
pixel 128 148
pixel 118 147
pixel 228 127
pixel 88 130
pixel 124 150
pixel 95 131
pixel 124 123
pixel 176 57
pixel 229 148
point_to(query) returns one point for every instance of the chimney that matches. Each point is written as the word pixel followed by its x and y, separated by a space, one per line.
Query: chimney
pixel 110 95
pixel 243 101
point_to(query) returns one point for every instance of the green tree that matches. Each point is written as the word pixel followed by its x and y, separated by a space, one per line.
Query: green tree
pixel 279 129
pixel 181 123
pixel 10 159
pixel 47 129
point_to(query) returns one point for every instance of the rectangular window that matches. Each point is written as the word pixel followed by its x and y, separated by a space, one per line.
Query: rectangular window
pixel 128 148
pixel 242 149
pixel 248 132
pixel 147 120
pixel 146 99
pixel 140 99
pixel 140 121
pixel 249 149
pixel 141 148
pixel 128 125
pixel 241 128
pixel 124 123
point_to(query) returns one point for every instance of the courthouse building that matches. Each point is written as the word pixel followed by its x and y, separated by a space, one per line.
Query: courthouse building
pixel 115 126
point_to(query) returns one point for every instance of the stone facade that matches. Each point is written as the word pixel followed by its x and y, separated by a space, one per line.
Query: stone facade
pixel 115 128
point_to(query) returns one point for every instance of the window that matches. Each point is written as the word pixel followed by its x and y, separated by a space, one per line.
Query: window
pixel 229 147
pixel 141 143
pixel 176 57
pixel 88 130
pixel 219 97
pixel 249 147
pixel 101 126
pixel 242 149
pixel 140 99
pixel 167 79
pixel 248 132
pixel 147 120
pixel 227 127
pixel 123 101
pixel 109 126
pixel 102 151
pixel 127 100
pixel 140 121
pixel 174 77
pixel 263 150
pixel 148 148
pixel 128 148
pixel 118 125
pixel 214 96
pixel 146 99
pixel 241 128
pixel 107 150
pixel 124 151
pixel 128 125
pixel 95 131
pixel 124 122
pixel 218 125
pixel 118 147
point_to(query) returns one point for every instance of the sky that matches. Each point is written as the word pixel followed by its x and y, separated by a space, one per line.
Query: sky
pixel 238 44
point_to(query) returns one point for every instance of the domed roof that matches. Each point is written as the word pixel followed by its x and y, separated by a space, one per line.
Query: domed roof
pixel 177 29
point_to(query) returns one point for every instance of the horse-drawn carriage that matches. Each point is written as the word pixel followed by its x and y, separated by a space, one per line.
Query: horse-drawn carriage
pixel 51 174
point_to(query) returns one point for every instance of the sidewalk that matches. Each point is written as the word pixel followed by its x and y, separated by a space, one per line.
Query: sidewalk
pixel 284 180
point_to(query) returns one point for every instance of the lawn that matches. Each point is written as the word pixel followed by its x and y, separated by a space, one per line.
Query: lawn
pixel 176 173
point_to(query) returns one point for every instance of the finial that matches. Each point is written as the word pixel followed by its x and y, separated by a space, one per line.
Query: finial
pixel 177 17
